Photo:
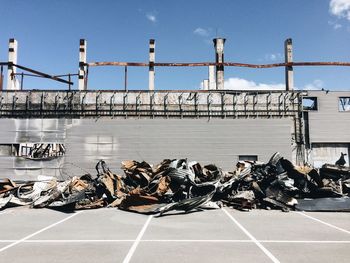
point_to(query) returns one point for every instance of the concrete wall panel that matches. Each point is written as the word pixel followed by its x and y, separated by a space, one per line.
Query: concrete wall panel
pixel 89 140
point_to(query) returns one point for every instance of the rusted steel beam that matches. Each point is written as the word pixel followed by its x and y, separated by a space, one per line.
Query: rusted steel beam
pixel 200 64
pixel 292 64
pixel 244 65
pixel 226 64
pixel 44 75
pixel 196 64
pixel 140 64
pixel 123 64
pixel 346 64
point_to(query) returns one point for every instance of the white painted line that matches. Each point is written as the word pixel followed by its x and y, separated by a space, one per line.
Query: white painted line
pixel 199 240
pixel 307 241
pixel 38 232
pixel 249 241
pixel 325 223
pixel 177 241
pixel 137 241
pixel 267 253
pixel 78 241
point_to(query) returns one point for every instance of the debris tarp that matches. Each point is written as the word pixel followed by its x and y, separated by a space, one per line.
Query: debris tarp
pixel 180 185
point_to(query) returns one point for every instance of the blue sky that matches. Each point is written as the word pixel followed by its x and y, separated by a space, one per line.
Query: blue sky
pixel 48 33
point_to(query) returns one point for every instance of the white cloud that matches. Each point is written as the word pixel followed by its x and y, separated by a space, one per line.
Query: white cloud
pixel 202 32
pixel 273 56
pixel 317 84
pixel 151 17
pixel 335 25
pixel 340 8
pixel 243 84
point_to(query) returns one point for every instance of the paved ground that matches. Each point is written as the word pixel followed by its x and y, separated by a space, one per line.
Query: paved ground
pixel 225 235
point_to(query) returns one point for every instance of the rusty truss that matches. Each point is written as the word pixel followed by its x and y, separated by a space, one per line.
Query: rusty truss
pixel 149 104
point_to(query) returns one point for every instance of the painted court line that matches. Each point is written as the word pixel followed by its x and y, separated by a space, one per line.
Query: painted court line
pixel 307 241
pixel 137 241
pixel 198 240
pixel 323 222
pixel 79 241
pixel 176 241
pixel 267 253
pixel 247 241
pixel 38 232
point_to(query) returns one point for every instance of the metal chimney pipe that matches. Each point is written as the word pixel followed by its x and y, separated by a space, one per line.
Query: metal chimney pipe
pixel 219 52
pixel 288 55
pixel 82 62
pixel 12 84
pixel 152 57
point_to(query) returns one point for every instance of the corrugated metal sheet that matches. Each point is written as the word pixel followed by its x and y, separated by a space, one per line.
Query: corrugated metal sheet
pixel 89 140
pixel 327 124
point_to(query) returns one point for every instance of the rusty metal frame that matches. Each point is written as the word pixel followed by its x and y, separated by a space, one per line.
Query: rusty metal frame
pixel 60 104
pixel 226 64
pixel 39 73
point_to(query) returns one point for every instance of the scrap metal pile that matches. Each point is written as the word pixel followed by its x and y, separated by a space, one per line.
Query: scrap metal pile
pixel 187 186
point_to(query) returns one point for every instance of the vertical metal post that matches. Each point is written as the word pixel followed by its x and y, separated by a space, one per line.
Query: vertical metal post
pixel 125 78
pixel 1 77
pixel 69 79
pixel 87 77
pixel 288 55
pixel 12 84
pixel 22 78
pixel 219 52
pixel 82 64
pixel 152 57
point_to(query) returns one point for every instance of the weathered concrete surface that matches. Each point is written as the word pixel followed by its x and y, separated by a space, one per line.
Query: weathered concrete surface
pixel 107 235
pixel 114 140
pixel 277 226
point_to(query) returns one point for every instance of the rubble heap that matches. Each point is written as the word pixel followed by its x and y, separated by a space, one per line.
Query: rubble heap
pixel 185 186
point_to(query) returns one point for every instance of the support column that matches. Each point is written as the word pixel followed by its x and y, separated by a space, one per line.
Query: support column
pixel 288 55
pixel 12 83
pixel 1 77
pixel 219 51
pixel 82 66
pixel 152 58
pixel 205 84
pixel 212 84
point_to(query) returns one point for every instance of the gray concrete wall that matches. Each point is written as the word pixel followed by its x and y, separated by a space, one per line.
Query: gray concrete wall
pixel 329 153
pixel 89 140
pixel 328 124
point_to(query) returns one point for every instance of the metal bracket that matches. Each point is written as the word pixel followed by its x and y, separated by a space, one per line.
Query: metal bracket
pixel 165 101
pixel 111 105
pixel 151 105
pixel 180 104
pixel 223 103
pixel 268 104
pixel 234 104
pixel 209 102
pixel 138 102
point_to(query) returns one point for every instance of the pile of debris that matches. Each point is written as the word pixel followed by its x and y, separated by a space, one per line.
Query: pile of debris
pixel 185 186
